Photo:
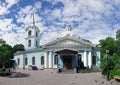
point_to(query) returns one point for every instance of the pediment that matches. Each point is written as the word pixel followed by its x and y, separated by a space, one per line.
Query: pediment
pixel 67 41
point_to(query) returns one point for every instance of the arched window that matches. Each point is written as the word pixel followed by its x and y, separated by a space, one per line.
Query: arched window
pixel 55 59
pixel 42 60
pixel 29 43
pixel 36 34
pixel 18 61
pixel 33 60
pixel 29 33
pixel 93 60
pixel 26 61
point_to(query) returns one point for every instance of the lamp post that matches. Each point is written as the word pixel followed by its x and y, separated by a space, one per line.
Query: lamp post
pixel 107 55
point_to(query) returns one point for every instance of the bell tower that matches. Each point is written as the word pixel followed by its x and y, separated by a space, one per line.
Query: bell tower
pixel 32 36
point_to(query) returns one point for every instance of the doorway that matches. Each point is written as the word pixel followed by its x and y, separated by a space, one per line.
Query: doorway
pixel 67 62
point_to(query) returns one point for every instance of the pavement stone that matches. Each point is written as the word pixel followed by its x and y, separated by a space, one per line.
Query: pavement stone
pixel 51 77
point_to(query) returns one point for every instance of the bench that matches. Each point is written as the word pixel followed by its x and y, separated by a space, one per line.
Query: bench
pixel 117 78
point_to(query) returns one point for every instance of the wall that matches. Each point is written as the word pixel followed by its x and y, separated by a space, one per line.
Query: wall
pixel 21 60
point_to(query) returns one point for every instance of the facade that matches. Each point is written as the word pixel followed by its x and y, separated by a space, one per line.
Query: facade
pixel 63 52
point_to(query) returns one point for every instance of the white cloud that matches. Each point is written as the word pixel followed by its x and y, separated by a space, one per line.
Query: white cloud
pixel 6 25
pixel 50 34
pixel 10 32
pixel 25 15
pixel 13 38
pixel 5 6
pixel 3 10
pixel 95 19
pixel 96 5
pixel 11 3
pixel 56 13
pixel 37 5
pixel 89 16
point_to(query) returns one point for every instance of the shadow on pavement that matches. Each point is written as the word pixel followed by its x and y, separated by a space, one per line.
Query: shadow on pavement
pixel 18 75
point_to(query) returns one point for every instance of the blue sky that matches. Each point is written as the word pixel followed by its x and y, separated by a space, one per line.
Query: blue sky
pixel 90 19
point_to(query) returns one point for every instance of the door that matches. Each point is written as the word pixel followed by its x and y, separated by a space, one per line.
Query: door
pixel 67 62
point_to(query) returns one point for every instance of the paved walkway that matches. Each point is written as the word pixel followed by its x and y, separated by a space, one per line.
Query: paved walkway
pixel 51 77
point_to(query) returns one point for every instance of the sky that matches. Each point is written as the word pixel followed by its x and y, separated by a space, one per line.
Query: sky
pixel 90 19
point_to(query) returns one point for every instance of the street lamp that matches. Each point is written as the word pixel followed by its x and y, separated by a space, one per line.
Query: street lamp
pixel 107 55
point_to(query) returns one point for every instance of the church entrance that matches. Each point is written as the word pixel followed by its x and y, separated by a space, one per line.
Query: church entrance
pixel 67 62
pixel 67 58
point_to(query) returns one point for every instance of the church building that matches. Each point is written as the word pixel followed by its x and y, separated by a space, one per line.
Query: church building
pixel 63 52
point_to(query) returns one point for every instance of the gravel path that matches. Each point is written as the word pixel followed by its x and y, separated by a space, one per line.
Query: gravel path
pixel 51 77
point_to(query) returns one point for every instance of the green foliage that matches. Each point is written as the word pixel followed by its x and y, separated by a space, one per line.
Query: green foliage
pixel 5 55
pixel 113 62
pixel 18 47
pixel 118 42
pixel 118 34
pixel 114 73
pixel 116 61
pixel 108 43
pixel 2 41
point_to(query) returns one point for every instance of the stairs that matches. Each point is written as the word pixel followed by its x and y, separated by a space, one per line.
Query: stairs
pixel 68 71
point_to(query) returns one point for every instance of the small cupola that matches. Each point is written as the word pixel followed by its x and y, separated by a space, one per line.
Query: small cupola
pixel 68 32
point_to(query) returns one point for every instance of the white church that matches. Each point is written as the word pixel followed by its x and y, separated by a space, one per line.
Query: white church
pixel 63 52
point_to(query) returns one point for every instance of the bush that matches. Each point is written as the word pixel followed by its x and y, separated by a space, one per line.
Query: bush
pixel 114 73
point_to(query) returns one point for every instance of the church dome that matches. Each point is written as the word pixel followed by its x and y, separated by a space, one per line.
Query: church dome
pixel 68 32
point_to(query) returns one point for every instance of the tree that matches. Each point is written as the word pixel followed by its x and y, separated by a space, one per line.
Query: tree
pixel 6 54
pixel 113 61
pixel 118 42
pixel 118 35
pixel 18 47
pixel 2 41
pixel 107 44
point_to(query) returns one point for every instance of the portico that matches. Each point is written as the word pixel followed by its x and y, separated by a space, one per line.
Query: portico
pixel 67 59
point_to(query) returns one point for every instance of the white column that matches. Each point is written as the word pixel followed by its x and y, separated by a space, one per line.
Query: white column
pixel 85 57
pixel 82 56
pixel 89 59
pixel 58 64
pixel 45 61
pixel 50 59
